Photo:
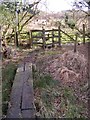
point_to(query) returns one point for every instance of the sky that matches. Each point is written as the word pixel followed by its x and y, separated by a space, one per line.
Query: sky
pixel 56 5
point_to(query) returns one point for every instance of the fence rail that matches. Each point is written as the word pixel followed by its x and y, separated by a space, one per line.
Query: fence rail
pixel 47 37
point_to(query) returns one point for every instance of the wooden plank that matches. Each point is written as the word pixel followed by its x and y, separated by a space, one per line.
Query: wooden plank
pixel 48 31
pixel 75 44
pixel 37 42
pixel 36 30
pixel 17 89
pixel 16 94
pixel 14 113
pixel 27 96
pixel 22 96
pixel 30 40
pixel 45 37
pixel 83 33
pixel 67 35
pixel 56 36
pixel 52 38
pixel 44 44
pixel 28 113
pixel 59 36
pixel 45 30
pixel 15 99
pixel 55 42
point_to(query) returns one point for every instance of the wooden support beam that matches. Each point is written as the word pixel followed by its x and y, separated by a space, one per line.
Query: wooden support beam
pixel 16 39
pixel 31 36
pixel 75 43
pixel 29 39
pixel 44 39
pixel 83 33
pixel 59 36
pixel 52 38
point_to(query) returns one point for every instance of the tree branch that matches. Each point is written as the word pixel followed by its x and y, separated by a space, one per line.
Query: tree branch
pixel 26 22
pixel 23 16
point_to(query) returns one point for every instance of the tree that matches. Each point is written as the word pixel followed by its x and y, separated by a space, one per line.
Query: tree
pixel 83 4
pixel 69 22
pixel 14 15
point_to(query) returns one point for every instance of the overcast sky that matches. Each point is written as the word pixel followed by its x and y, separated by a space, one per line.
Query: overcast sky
pixel 54 5
pixel 58 5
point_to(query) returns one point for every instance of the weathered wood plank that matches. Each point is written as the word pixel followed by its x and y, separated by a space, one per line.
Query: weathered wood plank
pixel 37 42
pixel 75 44
pixel 59 36
pixel 16 94
pixel 44 43
pixel 28 113
pixel 14 113
pixel 56 36
pixel 28 95
pixel 36 30
pixel 83 33
pixel 22 97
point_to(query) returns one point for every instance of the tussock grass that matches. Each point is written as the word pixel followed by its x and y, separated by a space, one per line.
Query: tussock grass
pixel 52 100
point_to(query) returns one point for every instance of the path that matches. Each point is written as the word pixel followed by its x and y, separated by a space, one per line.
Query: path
pixel 22 97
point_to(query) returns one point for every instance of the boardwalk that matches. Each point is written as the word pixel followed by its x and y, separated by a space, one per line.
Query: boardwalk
pixel 22 99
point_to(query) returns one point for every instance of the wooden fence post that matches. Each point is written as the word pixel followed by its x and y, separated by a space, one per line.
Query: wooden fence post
pixel 28 33
pixel 83 33
pixel 16 39
pixel 59 36
pixel 52 37
pixel 43 31
pixel 31 38
pixel 75 43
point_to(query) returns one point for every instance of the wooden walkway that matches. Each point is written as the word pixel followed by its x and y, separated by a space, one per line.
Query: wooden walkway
pixel 22 97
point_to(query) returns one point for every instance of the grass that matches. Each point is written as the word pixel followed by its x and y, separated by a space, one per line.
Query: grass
pixel 51 90
pixel 42 81
pixel 69 101
pixel 52 52
pixel 8 74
